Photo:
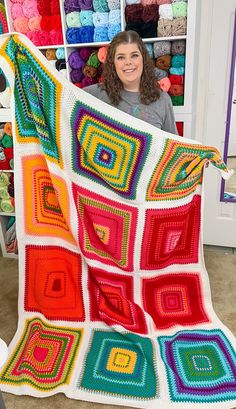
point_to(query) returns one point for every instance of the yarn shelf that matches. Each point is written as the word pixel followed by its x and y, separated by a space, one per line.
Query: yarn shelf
pixel 183 113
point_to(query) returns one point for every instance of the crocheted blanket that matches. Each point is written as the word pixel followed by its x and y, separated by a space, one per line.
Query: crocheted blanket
pixel 114 298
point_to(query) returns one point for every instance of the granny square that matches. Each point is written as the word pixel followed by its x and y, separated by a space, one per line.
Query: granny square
pixel 49 210
pixel 53 283
pixel 171 237
pixel 179 170
pixel 201 366
pixel 173 299
pixel 107 151
pixel 43 357
pixel 120 364
pixel 106 228
pixel 112 300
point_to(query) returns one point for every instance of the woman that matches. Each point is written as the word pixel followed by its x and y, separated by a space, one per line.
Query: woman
pixel 130 85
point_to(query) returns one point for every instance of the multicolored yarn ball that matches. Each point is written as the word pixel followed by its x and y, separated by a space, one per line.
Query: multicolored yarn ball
pixel 159 74
pixel 150 13
pixel 50 54
pixel 166 11
pixel 114 17
pixel 163 62
pixel 85 34
pixel 113 29
pixel 30 8
pixel 86 17
pixel 34 23
pixel 75 61
pixel 113 4
pixel 178 60
pixel 161 48
pixel 76 75
pixel 100 19
pixel 180 9
pixel 100 34
pixel 176 90
pixel 71 5
pixel 177 71
pixel 17 10
pixel 102 54
pixel 178 47
pixel 100 6
pixel 73 19
pixel 85 4
pixel 60 53
pixel 21 24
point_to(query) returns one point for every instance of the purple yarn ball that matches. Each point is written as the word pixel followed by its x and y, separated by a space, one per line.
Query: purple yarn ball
pixel 76 75
pixel 75 60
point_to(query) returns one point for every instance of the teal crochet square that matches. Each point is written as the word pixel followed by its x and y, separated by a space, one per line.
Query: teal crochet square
pixel 120 364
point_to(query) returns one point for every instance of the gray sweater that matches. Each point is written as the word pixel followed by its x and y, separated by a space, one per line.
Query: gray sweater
pixel 159 113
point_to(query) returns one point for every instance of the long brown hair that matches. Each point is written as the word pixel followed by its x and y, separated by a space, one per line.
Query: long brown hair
pixel 149 88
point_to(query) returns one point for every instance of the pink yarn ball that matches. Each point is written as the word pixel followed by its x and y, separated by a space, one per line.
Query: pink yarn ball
pixel 16 11
pixel 34 37
pixel 30 8
pixel 21 24
pixel 17 1
pixel 56 37
pixel 165 84
pixel 102 54
pixel 148 2
pixel 34 23
pixel 44 37
pixel 159 2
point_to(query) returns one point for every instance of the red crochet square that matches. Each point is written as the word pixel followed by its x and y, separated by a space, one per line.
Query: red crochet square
pixel 174 299
pixel 171 237
pixel 112 300
pixel 53 283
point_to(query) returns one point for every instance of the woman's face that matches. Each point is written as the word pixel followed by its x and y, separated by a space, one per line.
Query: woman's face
pixel 128 63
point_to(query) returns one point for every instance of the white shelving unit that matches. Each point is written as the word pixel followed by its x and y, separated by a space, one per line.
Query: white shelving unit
pixel 5 116
pixel 183 114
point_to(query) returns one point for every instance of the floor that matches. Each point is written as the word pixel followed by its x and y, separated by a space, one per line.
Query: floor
pixel 221 267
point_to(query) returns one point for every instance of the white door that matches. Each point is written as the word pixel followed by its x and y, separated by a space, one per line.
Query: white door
pixel 232 136
pixel 216 34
